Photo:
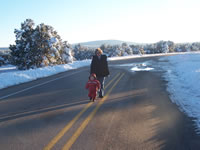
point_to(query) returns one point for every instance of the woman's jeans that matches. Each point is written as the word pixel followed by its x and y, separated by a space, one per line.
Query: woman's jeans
pixel 101 80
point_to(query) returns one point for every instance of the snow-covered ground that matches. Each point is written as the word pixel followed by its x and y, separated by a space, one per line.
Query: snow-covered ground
pixel 7 68
pixel 183 76
pixel 139 56
pixel 16 77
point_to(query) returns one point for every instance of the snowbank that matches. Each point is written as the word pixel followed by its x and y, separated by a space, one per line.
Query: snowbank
pixel 7 67
pixel 138 56
pixel 183 76
pixel 17 77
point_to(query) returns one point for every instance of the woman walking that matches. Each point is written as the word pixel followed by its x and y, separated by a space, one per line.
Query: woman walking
pixel 99 66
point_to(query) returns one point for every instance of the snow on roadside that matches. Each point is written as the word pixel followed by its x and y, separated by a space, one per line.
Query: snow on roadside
pixel 183 76
pixel 139 56
pixel 7 67
pixel 150 55
pixel 16 77
pixel 133 56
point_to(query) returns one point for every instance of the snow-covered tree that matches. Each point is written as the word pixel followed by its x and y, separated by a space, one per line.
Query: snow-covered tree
pixel 117 51
pixel 195 46
pixel 83 52
pixel 124 49
pixel 187 48
pixel 107 49
pixel 171 46
pixel 22 51
pixel 127 49
pixel 104 46
pixel 2 61
pixel 135 49
pixel 112 51
pixel 124 44
pixel 165 48
pixel 37 47
pixel 66 53
pixel 4 57
pixel 142 51
pixel 49 45
pixel 162 47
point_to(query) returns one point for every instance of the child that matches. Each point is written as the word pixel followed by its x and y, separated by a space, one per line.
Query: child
pixel 93 86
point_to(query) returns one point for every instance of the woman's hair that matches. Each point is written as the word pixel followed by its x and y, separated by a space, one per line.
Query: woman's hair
pixel 99 51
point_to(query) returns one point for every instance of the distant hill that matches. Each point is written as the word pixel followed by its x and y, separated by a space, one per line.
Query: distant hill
pixel 100 42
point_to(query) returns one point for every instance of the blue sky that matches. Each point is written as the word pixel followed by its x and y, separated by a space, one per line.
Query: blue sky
pixel 143 21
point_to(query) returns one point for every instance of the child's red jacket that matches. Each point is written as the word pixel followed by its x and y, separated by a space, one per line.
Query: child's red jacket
pixel 92 86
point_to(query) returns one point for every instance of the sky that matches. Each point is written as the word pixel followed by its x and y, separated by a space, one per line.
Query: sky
pixel 141 21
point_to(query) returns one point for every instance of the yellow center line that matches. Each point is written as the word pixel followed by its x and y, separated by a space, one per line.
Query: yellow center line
pixel 70 124
pixel 71 141
pixel 112 80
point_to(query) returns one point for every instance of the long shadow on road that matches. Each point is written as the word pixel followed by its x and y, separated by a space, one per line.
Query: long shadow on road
pixel 39 111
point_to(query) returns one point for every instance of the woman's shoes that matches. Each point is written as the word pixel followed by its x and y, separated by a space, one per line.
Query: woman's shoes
pixel 100 96
pixel 92 99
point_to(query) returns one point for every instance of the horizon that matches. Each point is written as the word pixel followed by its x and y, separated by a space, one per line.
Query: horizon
pixel 120 41
pixel 138 21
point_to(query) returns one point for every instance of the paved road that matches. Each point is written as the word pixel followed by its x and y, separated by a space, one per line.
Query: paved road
pixel 55 113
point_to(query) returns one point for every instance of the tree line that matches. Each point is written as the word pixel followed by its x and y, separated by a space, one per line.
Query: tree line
pixel 82 52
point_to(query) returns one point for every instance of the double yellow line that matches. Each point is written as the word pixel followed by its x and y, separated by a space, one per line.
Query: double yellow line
pixel 84 124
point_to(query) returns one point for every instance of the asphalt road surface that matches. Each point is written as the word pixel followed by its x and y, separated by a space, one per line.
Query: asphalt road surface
pixel 54 113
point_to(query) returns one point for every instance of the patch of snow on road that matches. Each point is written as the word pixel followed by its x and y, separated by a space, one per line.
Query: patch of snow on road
pixel 183 76
pixel 141 69
pixel 138 66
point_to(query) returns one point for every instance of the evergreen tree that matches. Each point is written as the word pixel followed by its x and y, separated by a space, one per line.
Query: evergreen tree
pixel 83 52
pixel 66 53
pixel 40 46
pixel 2 61
pixel 127 49
pixel 22 51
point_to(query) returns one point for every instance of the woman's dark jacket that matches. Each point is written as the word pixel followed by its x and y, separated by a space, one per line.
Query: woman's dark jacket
pixel 99 66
